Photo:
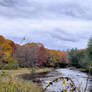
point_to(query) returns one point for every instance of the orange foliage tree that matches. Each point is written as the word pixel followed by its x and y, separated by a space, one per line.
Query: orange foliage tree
pixel 55 57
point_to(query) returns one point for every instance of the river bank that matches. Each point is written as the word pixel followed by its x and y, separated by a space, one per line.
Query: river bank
pixel 11 80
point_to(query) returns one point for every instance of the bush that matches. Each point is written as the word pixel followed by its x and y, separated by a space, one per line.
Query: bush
pixel 12 64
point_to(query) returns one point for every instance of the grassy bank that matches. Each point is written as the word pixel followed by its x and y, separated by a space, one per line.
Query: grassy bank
pixel 10 82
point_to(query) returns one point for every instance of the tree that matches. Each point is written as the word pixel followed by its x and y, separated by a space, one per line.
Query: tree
pixel 53 57
pixel 89 53
pixel 77 58
pixel 25 56
pixel 64 57
pixel 57 58
pixel 89 49
pixel 6 50
pixel 41 54
pixel 73 58
pixel 2 40
pixel 12 44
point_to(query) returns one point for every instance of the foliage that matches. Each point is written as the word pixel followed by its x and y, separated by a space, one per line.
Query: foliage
pixel 89 49
pixel 2 40
pixel 76 58
pixel 29 55
pixel 12 64
pixel 6 50
pixel 31 44
pixel 35 54
pixel 6 47
pixel 56 58
pixel 81 58
pixel 41 55
pixel 89 53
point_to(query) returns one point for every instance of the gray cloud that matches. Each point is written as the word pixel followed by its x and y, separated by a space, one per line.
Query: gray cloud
pixel 48 8
pixel 58 24
pixel 63 35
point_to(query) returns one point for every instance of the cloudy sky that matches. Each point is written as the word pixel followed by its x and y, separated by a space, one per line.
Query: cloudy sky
pixel 58 24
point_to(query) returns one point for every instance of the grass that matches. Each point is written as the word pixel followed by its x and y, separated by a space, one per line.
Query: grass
pixel 10 83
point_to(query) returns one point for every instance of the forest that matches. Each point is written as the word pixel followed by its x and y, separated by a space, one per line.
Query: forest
pixel 31 55
pixel 36 60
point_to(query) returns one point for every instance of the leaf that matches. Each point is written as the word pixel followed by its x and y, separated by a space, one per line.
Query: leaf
pixel 63 82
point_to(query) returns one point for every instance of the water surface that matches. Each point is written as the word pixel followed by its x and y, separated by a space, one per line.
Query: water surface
pixel 78 77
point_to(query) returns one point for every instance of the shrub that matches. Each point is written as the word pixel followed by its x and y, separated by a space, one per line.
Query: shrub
pixel 12 64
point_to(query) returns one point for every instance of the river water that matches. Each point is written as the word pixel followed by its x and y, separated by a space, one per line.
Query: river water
pixel 79 78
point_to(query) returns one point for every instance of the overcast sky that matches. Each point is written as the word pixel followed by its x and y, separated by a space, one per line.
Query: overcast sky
pixel 58 24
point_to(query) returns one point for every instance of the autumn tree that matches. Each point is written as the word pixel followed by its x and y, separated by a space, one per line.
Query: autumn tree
pixel 41 54
pixel 13 45
pixel 6 50
pixel 64 57
pixel 56 58
pixel 26 55
pixel 2 40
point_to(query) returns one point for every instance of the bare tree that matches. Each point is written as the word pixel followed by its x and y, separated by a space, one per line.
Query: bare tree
pixel 26 56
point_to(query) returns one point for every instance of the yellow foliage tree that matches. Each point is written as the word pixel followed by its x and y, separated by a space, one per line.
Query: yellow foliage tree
pixel 5 48
pixel 2 40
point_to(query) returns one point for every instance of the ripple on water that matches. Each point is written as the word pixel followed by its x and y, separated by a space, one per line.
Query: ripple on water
pixel 78 77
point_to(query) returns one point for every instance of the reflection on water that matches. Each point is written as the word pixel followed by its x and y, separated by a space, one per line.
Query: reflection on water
pixel 78 77
pixel 90 84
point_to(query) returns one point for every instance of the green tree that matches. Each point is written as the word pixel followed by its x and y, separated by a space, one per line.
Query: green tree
pixel 89 49
pixel 76 57
pixel 73 60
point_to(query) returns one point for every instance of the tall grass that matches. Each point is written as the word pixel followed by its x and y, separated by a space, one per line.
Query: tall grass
pixel 9 83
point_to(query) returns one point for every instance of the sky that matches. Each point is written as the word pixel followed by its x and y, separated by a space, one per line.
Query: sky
pixel 58 24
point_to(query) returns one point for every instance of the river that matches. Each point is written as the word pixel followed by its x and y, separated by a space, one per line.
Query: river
pixel 79 78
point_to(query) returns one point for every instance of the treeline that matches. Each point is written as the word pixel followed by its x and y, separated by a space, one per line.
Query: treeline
pixel 81 58
pixel 32 55
pixel 29 55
